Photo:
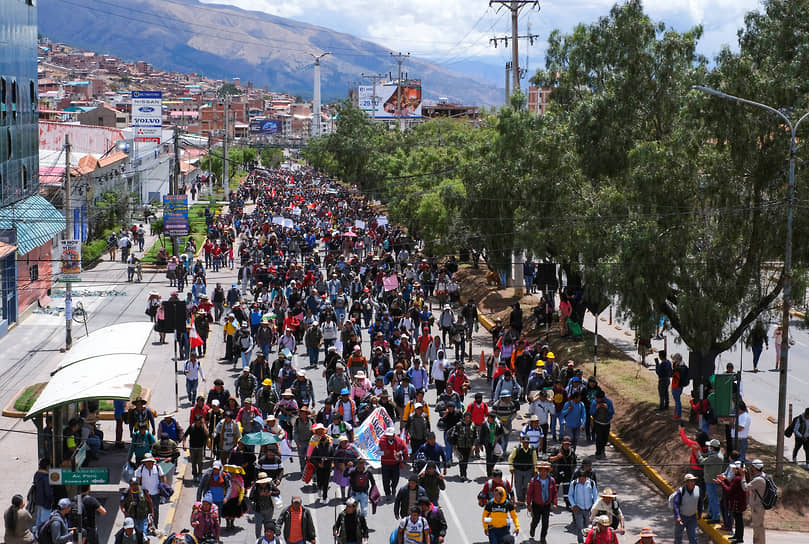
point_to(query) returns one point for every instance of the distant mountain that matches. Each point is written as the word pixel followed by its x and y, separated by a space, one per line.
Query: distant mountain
pixel 226 42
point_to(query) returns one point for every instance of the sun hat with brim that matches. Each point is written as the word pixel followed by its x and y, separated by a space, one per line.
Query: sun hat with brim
pixel 608 493
pixel 262 478
pixel 646 532
pixel 545 465
pixel 318 427
pixel 146 458
pixel 602 520
pixel 690 477
pixel 234 469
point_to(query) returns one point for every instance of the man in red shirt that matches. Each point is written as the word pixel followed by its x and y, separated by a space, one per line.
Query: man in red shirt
pixel 394 454
pixel 478 409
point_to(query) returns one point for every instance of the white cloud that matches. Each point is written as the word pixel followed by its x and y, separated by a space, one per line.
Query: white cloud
pixel 449 30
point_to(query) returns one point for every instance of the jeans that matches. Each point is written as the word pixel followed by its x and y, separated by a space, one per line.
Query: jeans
pixel 602 433
pixel 156 508
pixel 447 449
pixel 265 349
pixel 582 518
pixel 497 534
pixel 142 525
pixel 191 389
pixel 756 355
pixel 246 356
pixel 573 432
pixel 314 354
pixel 463 453
pixel 460 350
pixel 663 393
pixel 743 442
pixel 712 490
pixel 43 514
pixel 690 526
pixel 554 420
pixel 678 406
pixel 362 498
pixel 738 526
pixel 521 480
pixel 260 518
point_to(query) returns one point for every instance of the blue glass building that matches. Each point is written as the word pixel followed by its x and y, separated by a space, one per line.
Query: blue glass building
pixel 28 222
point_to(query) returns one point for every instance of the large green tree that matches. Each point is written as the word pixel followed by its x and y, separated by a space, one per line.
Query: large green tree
pixel 668 213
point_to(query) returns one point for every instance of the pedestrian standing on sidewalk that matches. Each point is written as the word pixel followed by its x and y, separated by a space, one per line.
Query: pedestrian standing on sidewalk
pixel 663 370
pixel 756 489
pixel 737 498
pixel 687 510
pixel 713 464
pixel 43 493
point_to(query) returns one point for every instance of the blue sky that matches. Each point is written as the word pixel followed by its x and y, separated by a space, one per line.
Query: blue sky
pixel 454 32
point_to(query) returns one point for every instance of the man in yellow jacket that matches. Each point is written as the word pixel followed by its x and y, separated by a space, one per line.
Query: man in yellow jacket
pixel 495 518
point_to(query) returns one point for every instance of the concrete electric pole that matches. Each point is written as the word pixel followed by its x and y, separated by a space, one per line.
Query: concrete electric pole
pixel 508 81
pixel 515 6
pixel 316 102
pixel 374 78
pixel 68 236
pixel 225 169
pixel 400 58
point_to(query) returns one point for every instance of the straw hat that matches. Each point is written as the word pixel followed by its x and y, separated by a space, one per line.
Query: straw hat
pixel 646 532
pixel 608 493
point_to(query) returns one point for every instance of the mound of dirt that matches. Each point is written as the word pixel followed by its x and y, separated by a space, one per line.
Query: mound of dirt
pixel 633 390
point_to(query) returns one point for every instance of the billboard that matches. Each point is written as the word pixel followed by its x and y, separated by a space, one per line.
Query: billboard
pixel 175 215
pixel 147 116
pixel 386 99
pixel 266 126
pixel 70 258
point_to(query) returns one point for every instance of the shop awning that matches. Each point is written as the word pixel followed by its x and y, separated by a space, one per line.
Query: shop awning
pixel 36 222
pixel 103 365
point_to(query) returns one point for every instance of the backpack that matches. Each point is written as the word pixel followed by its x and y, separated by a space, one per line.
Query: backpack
pixel 672 496
pixel 43 532
pixel 770 497
pixel 30 499
pixel 452 436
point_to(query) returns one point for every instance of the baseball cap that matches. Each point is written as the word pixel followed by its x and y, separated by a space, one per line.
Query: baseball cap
pixel 129 523
pixel 65 503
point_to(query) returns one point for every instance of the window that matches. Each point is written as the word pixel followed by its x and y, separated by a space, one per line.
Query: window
pixel 9 151
pixel 3 97
pixel 24 178
pixel 33 272
pixel 32 90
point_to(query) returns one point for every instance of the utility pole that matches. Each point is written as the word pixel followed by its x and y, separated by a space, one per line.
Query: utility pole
pixel 68 236
pixel 316 102
pixel 225 169
pixel 399 59
pixel 515 6
pixel 175 186
pixel 508 82
pixel 373 78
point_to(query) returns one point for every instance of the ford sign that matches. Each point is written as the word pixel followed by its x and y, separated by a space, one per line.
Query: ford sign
pixel 146 109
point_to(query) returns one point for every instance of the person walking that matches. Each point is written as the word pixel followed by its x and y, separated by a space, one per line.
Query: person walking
pixel 261 501
pixel 193 373
pixel 541 498
pixel 713 464
pixel 582 496
pixel 800 428
pixel 90 508
pixel 198 436
pixel 687 505
pixel 137 504
pixel 602 412
pixel 573 414
pixel 350 526
pixel 43 493
pixel 522 463
pixel 496 516
pixel 298 526
pixel 756 489
pixel 757 341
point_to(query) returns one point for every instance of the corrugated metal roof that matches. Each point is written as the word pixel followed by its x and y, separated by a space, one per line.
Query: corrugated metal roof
pixel 35 219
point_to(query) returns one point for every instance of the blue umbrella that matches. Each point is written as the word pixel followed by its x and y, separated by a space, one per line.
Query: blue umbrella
pixel 260 439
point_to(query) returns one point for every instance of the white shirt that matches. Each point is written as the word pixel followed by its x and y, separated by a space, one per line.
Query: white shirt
pixel 193 370
pixel 149 479
pixel 744 422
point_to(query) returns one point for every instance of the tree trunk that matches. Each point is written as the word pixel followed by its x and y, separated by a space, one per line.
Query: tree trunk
pixel 701 366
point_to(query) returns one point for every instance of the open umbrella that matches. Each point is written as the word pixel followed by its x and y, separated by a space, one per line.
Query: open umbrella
pixel 260 439
pixel 350 234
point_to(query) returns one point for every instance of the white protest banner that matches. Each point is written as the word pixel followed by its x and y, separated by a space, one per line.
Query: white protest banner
pixel 277 220
pixel 289 224
pixel 381 220
pixel 296 211
pixel 368 435
pixel 359 224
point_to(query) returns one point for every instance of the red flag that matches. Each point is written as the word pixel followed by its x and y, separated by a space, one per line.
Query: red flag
pixel 195 339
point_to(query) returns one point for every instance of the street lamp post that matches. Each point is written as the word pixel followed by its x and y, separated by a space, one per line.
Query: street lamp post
pixel 782 378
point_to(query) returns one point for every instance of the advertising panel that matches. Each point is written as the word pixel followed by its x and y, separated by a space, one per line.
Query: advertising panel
pixel 266 126
pixel 147 116
pixel 70 258
pixel 175 215
pixel 386 99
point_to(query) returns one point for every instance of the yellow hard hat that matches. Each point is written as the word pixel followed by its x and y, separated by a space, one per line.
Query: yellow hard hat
pixel 540 363
pixel 550 355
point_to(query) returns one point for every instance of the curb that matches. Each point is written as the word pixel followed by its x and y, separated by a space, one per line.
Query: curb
pixel 713 531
